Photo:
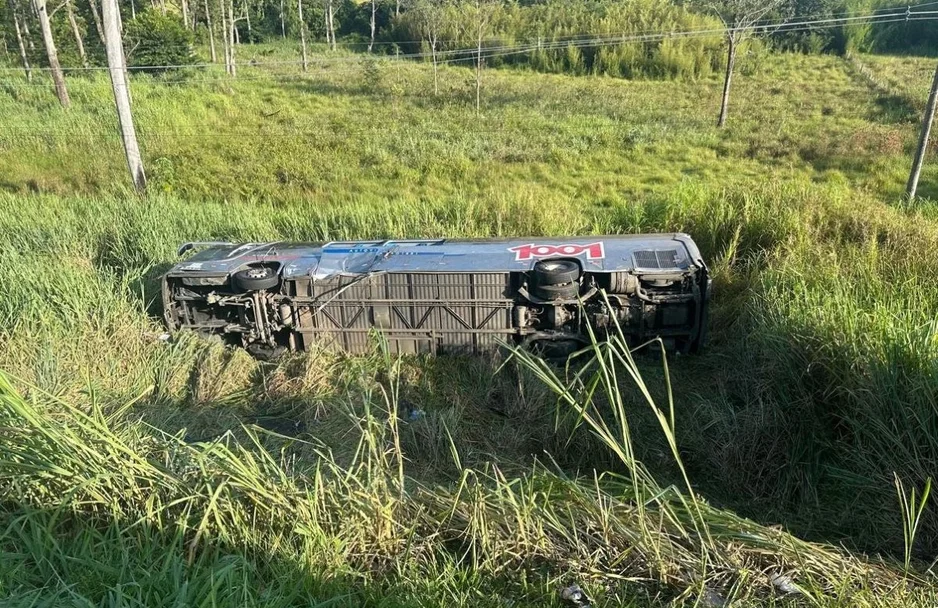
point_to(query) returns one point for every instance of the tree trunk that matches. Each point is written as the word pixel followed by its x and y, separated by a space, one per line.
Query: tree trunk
pixel 232 36
pixel 397 8
pixel 184 4
pixel 133 9
pixel 163 6
pixel 247 17
pixel 57 75
pixel 119 83
pixel 70 10
pixel 26 34
pixel 479 70
pixel 727 83
pixel 283 25
pixel 912 187
pixel 224 35
pixel 374 9
pixel 97 20
pixel 330 15
pixel 299 5
pixel 436 75
pixel 211 33
pixel 19 41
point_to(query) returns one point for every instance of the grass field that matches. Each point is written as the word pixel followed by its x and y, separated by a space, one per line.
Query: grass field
pixel 139 472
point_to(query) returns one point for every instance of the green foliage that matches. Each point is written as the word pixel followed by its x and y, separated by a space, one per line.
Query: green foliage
pixel 155 40
pixel 564 36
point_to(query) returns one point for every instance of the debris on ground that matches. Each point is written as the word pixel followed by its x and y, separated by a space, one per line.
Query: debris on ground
pixel 410 412
pixel 711 599
pixel 783 584
pixel 575 596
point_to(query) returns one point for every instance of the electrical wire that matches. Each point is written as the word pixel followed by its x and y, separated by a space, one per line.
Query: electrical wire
pixel 466 54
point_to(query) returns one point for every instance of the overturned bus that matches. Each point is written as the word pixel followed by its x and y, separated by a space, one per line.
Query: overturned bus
pixel 444 295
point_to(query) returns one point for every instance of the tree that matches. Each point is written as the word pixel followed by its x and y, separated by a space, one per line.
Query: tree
pixel 740 19
pixel 330 23
pixel 374 11
pixel 227 39
pixel 97 19
pixel 232 36
pixel 483 11
pixel 432 17
pixel 299 5
pixel 211 33
pixel 157 41
pixel 58 76
pixel 76 32
pixel 19 40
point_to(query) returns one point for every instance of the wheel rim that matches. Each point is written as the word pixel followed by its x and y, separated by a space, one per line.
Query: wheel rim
pixel 258 273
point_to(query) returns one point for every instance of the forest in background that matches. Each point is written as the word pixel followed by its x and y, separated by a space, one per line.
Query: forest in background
pixel 167 32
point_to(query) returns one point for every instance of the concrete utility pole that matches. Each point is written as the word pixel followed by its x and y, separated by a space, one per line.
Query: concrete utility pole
pixel 58 77
pixel 118 71
pixel 912 186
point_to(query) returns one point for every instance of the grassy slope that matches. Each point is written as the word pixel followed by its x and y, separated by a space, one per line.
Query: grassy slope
pixel 819 383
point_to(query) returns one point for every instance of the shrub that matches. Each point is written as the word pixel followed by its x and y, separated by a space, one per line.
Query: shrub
pixel 155 40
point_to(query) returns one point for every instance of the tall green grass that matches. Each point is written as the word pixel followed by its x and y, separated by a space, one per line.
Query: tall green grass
pixel 250 522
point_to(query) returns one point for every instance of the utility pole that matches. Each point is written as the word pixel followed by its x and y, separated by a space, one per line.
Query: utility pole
pixel 912 186
pixel 58 77
pixel 118 71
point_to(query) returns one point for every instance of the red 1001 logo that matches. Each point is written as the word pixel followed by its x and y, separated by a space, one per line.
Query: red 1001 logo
pixel 594 251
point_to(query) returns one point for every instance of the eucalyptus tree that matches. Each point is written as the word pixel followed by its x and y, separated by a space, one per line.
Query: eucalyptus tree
pixel 741 19
pixel 55 68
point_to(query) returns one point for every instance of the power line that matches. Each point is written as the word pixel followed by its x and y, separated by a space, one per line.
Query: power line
pixel 599 41
pixel 781 27
pixel 326 68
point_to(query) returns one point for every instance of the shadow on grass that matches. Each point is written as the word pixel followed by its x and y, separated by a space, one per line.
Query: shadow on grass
pixel 53 559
